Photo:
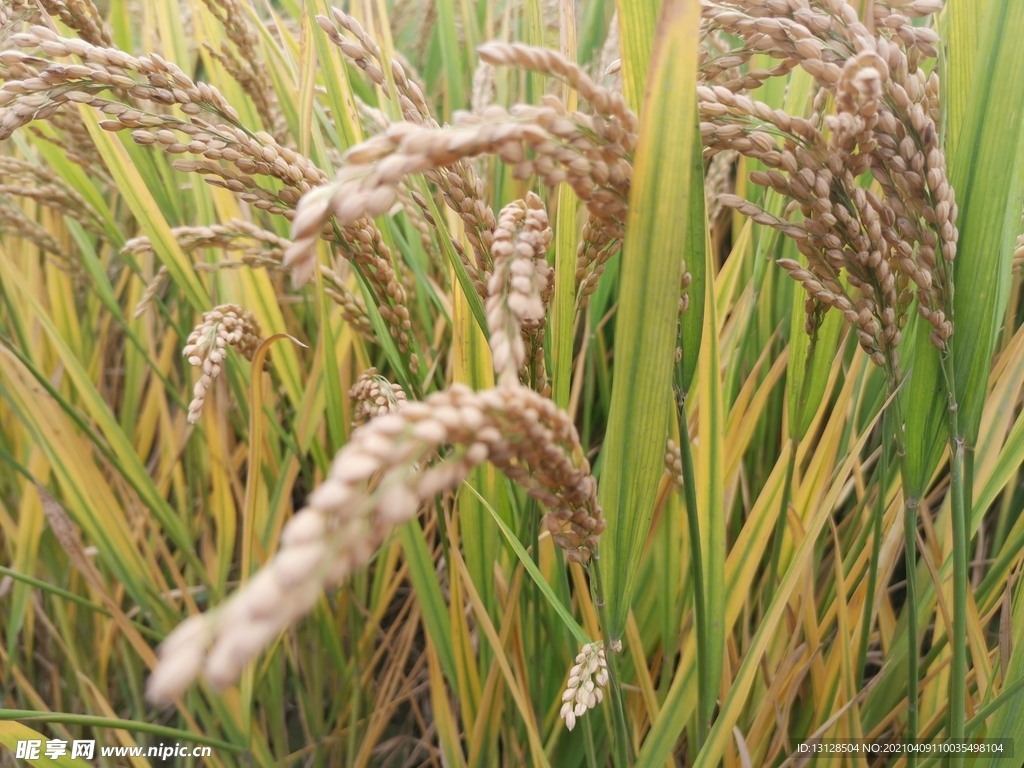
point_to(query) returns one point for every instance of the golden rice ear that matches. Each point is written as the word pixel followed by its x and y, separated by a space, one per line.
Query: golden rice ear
pixel 585 688
pixel 519 286
pixel 884 123
pixel 375 396
pixel 379 480
pixel 311 216
pixel 461 189
pixel 228 325
pixel 81 16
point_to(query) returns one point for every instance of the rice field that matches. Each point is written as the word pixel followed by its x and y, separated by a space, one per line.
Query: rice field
pixel 532 382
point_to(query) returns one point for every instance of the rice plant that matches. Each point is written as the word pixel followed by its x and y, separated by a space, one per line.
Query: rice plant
pixel 519 383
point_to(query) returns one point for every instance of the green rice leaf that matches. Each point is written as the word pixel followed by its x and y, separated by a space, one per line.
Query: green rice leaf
pixel 649 306
pixel 986 172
